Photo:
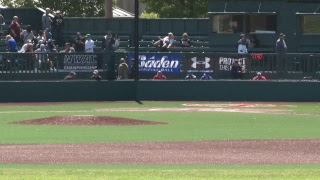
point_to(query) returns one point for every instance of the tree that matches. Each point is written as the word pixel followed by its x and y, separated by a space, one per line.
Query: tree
pixel 71 8
pixel 178 8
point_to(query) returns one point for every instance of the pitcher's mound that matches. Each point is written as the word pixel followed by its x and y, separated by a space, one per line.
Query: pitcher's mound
pixel 87 121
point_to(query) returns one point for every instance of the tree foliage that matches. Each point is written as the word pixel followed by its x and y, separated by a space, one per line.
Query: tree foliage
pixel 151 15
pixel 71 8
pixel 178 8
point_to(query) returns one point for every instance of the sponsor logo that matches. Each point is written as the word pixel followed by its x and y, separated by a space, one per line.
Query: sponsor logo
pixel 201 64
pixel 225 63
pixel 80 62
pixel 163 63
pixel 196 62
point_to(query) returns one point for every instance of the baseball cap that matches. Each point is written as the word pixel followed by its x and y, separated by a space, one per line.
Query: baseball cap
pixel 95 72
pixel 259 73
pixel 72 72
pixel 281 34
pixel 88 35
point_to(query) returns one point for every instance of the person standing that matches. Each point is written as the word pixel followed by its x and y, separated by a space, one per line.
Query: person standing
pixel 27 35
pixel 108 42
pixel 243 44
pixel 15 29
pixel 79 43
pixel 2 21
pixel 281 49
pixel 236 70
pixel 57 28
pixel 123 70
pixel 89 44
pixel 46 20
pixel 132 74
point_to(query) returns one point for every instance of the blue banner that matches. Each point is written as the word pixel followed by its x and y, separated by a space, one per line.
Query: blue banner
pixel 154 62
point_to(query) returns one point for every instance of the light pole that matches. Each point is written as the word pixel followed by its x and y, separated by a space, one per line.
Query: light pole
pixel 136 39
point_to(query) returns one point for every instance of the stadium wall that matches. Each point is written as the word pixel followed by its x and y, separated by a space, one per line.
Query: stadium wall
pixel 63 91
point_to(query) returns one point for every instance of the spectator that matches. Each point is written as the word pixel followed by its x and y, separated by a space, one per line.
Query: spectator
pixel 185 41
pixel 236 70
pixel 254 42
pixel 46 20
pixel 41 36
pixel 116 41
pixel 26 47
pixel 47 34
pixel 206 76
pixel 79 36
pixel 50 47
pixel 123 70
pixel 12 45
pixel 190 76
pixel 108 42
pixel 159 76
pixel 79 45
pixel 2 21
pixel 133 69
pixel 68 49
pixel 166 42
pixel 57 28
pixel 71 76
pixel 37 46
pixel 89 44
pixel 27 35
pixel 96 75
pixel 243 44
pixel 259 77
pixel 41 58
pixel 28 55
pixel 15 29
pixel 281 49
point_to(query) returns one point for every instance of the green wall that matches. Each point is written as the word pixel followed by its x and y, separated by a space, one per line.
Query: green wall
pixel 59 91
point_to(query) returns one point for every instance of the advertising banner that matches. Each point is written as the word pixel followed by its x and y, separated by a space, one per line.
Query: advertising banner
pixel 74 62
pixel 154 62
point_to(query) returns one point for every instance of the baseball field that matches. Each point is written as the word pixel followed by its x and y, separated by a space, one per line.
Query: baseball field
pixel 160 140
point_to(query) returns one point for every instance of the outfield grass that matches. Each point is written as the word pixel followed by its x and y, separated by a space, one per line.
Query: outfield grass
pixel 31 172
pixel 181 127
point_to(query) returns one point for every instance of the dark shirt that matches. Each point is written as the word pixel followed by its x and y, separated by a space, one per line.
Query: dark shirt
pixel 79 46
pixel 98 78
pixel 57 22
pixel 236 72
pixel 185 42
pixel 280 47
pixel 108 42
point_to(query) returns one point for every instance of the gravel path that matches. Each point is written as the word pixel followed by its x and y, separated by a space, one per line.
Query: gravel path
pixel 197 152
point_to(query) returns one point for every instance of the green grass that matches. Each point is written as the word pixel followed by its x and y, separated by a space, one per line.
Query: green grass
pixel 30 172
pixel 180 127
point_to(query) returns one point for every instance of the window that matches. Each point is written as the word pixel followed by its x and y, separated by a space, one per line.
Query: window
pixel 247 23
pixel 310 24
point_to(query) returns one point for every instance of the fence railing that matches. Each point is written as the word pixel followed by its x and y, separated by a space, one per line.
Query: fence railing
pixel 174 65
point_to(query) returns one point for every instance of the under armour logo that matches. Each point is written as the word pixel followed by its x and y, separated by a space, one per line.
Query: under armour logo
pixel 205 62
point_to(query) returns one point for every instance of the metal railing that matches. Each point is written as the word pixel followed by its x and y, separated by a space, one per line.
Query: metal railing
pixel 290 66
